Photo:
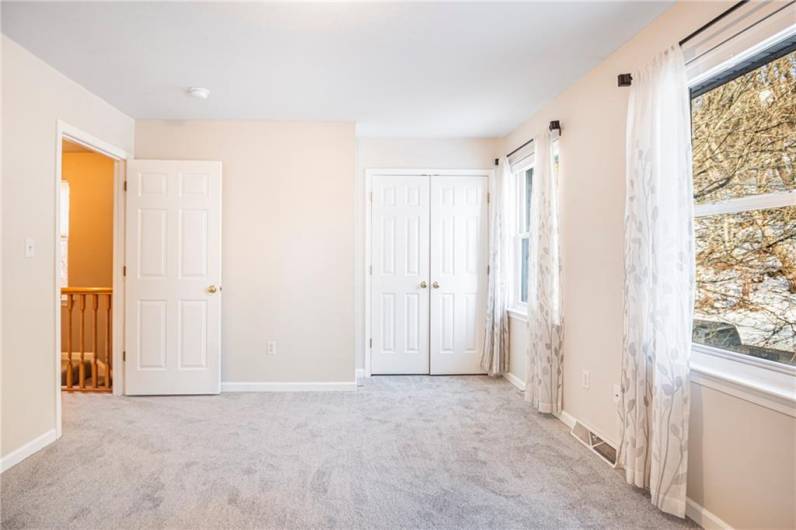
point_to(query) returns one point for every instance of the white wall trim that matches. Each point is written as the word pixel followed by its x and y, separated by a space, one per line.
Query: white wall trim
pixel 693 510
pixel 18 455
pixel 514 380
pixel 360 373
pixel 241 386
pixel 704 518
pixel 517 314
pixel 64 131
pixel 567 418
pixel 771 387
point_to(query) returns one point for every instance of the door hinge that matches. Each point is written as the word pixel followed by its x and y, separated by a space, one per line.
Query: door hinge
pixel 370 196
pixel 125 185
pixel 124 356
pixel 487 197
pixel 370 269
pixel 487 270
pixel 124 270
pixel 371 343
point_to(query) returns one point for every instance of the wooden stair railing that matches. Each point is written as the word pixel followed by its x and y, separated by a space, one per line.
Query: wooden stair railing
pixel 87 299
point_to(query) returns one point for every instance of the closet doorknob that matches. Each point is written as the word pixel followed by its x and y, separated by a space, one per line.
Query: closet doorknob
pixel 212 289
pixel 423 284
pixel 435 285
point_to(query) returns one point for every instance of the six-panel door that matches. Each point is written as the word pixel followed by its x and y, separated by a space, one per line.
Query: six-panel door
pixel 429 259
pixel 399 223
pixel 458 273
pixel 173 281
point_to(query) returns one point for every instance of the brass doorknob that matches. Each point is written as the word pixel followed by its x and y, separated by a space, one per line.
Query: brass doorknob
pixel 423 284
pixel 435 285
pixel 212 289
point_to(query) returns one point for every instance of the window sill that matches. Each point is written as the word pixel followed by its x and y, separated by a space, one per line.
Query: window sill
pixel 518 313
pixel 764 383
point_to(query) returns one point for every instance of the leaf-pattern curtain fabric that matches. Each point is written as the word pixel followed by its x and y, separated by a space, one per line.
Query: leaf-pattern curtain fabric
pixel 659 283
pixel 544 376
pixel 495 357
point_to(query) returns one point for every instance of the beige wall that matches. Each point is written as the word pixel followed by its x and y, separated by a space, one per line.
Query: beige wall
pixel 729 473
pixel 518 346
pixel 406 153
pixel 90 177
pixel 741 460
pixel 34 98
pixel 288 236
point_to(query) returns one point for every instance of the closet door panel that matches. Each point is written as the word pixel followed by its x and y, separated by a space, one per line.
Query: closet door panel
pixel 458 255
pixel 400 261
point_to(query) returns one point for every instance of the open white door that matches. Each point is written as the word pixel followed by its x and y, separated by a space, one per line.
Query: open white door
pixel 173 280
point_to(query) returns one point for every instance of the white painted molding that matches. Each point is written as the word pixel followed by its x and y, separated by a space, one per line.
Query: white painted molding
pixel 567 419
pixel 517 314
pixel 514 380
pixel 773 388
pixel 704 518
pixel 18 455
pixel 235 386
pixel 360 373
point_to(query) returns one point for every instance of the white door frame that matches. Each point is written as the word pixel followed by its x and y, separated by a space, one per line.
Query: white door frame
pixel 64 131
pixel 369 175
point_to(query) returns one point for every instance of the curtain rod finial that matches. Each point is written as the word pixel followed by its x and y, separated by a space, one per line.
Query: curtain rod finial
pixel 624 80
pixel 555 125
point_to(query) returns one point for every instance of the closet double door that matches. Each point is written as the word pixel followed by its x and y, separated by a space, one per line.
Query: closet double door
pixel 429 255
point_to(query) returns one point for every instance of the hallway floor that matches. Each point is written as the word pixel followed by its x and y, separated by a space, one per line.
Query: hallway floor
pixel 401 452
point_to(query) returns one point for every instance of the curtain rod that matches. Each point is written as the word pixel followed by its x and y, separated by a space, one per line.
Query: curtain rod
pixel 529 142
pixel 627 79
pixel 712 21
pixel 555 124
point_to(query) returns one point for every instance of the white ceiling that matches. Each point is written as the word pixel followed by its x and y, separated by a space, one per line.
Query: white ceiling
pixel 397 69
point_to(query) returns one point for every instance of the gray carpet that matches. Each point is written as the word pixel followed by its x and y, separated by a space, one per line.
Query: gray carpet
pixel 402 452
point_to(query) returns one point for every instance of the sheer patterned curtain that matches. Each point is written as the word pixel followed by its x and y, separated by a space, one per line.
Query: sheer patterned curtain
pixel 495 357
pixel 545 327
pixel 659 283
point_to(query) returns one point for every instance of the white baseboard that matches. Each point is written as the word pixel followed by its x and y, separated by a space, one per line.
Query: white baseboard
pixel 18 455
pixel 567 418
pixel 704 518
pixel 514 380
pixel 694 511
pixel 233 386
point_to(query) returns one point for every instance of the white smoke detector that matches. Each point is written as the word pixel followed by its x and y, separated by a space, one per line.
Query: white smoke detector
pixel 199 92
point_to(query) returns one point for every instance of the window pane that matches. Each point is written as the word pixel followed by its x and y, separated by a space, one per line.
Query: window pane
pixel 524 272
pixel 744 134
pixel 528 190
pixel 746 283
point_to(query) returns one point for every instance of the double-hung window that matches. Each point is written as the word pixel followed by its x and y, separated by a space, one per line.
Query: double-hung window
pixel 521 162
pixel 523 167
pixel 524 187
pixel 742 75
pixel 744 153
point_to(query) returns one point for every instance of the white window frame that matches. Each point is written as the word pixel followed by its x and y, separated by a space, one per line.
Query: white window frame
pixel 766 383
pixel 760 381
pixel 517 307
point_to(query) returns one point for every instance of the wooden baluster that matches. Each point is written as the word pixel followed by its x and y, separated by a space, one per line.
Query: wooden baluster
pixel 69 301
pixel 82 368
pixel 94 373
pixel 108 342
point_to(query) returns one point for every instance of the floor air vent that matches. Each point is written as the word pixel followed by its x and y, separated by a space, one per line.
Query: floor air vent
pixel 599 446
